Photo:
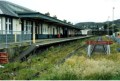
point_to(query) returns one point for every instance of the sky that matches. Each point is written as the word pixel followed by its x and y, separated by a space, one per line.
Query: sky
pixel 75 11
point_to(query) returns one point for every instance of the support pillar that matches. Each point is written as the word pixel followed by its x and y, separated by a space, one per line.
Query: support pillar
pixel 34 32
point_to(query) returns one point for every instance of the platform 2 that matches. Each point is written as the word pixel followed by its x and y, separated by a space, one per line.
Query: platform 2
pixel 47 43
pixel 40 42
pixel 58 40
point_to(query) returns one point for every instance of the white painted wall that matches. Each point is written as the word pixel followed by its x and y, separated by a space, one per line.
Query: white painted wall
pixel 3 23
pixel 71 31
pixel 16 26
pixel 58 30
pixel 55 29
pixel 61 30
pixel 50 29
pixel 45 28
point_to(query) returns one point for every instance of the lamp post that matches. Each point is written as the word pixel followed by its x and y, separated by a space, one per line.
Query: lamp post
pixel 113 21
pixel 108 25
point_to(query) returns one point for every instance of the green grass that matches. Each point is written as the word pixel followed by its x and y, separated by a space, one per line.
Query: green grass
pixel 97 67
pixel 46 66
pixel 40 64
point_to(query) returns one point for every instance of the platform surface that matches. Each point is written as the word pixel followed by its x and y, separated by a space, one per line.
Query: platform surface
pixel 40 42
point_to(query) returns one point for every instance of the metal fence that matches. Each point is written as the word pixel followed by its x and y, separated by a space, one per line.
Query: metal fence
pixel 10 37
pixel 116 39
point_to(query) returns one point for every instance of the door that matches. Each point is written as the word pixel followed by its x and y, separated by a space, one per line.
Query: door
pixel 53 32
pixel 65 32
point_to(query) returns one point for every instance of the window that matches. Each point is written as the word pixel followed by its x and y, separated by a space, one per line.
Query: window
pixel 27 27
pixel 9 27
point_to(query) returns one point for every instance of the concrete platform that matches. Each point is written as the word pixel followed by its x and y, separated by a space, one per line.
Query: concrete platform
pixel 45 43
pixel 57 40
pixel 40 42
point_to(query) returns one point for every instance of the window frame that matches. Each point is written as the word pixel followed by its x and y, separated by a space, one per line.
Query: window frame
pixel 9 25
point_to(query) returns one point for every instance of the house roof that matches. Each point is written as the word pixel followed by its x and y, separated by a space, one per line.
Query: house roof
pixel 11 9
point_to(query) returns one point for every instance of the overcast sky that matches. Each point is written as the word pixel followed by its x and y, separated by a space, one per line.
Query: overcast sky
pixel 75 10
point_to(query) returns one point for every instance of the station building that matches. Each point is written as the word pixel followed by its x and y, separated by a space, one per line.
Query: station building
pixel 16 20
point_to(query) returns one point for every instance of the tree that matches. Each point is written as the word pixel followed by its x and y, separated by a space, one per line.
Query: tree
pixel 69 22
pixel 65 21
pixel 48 14
pixel 55 16
pixel 105 26
pixel 116 28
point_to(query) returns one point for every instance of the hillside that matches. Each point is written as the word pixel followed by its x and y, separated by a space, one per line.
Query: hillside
pixel 92 25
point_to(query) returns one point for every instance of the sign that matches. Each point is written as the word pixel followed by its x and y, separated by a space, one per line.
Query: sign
pixel 3 58
pixel 99 42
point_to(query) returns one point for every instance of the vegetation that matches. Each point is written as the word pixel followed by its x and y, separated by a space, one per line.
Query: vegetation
pixel 98 67
pixel 48 65
pixel 97 25
pixel 48 14
pixel 89 25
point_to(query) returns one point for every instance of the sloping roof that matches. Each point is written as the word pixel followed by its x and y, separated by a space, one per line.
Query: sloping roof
pixel 41 16
pixel 11 9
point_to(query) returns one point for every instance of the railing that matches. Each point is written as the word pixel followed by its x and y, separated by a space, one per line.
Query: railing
pixel 9 37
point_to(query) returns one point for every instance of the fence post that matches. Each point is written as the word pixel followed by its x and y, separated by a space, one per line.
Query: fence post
pixel 15 36
pixel 30 38
pixel 21 39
